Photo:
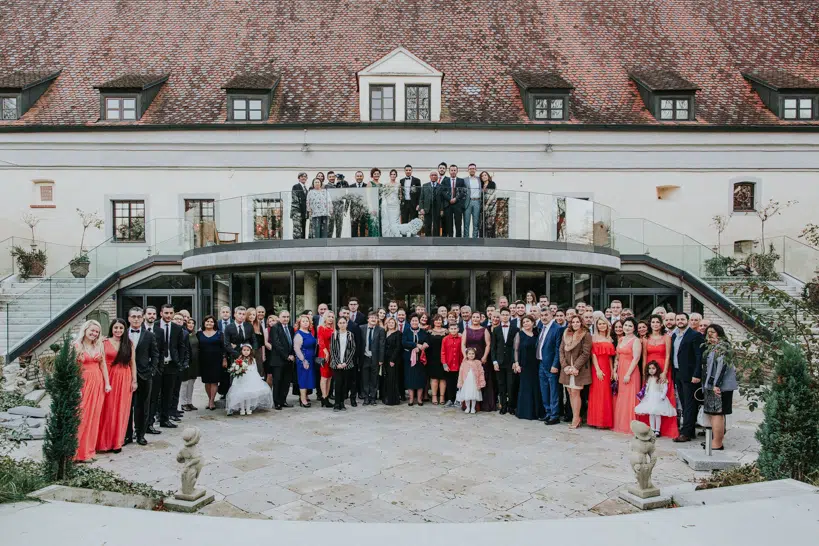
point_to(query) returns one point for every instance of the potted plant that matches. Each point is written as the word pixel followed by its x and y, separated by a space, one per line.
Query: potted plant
pixel 30 263
pixel 80 264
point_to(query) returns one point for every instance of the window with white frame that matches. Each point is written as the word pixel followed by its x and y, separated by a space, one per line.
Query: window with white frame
pixel 797 108
pixel 120 108
pixel 248 109
pixel 382 102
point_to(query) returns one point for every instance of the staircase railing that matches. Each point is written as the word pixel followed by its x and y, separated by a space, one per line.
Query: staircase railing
pixel 46 299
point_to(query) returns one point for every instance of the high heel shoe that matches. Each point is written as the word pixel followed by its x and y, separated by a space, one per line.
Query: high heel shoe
pixel 307 405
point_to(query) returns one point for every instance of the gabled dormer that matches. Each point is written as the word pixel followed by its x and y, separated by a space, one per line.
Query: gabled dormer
pixel 249 96
pixel 127 97
pixel 790 97
pixel 666 94
pixel 400 87
pixel 545 95
pixel 20 90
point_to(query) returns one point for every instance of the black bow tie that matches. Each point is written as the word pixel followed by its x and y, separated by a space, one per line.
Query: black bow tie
pixel 135 331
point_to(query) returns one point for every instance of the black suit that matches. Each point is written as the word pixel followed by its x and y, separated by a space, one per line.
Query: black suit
pixel 430 202
pixel 278 363
pixel 172 359
pixel 453 212
pixel 359 318
pixel 298 210
pixel 147 363
pixel 689 358
pixel 503 353
pixel 369 364
pixel 409 207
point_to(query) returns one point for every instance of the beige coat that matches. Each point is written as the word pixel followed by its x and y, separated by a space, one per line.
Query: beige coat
pixel 579 357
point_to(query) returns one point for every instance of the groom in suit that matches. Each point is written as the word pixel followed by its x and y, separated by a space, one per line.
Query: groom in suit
pixel 146 356
pixel 375 339
pixel 410 193
pixel 686 357
pixel 503 355
pixel 280 359
pixel 548 355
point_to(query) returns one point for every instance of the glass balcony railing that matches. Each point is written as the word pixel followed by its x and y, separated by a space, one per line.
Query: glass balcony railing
pixel 387 211
pixel 27 312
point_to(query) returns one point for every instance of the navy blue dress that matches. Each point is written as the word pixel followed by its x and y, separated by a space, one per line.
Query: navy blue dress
pixel 211 353
pixel 530 405
pixel 415 377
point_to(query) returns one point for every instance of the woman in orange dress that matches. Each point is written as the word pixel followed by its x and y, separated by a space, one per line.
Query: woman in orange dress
pixel 119 357
pixel 325 333
pixel 601 401
pixel 629 351
pixel 91 358
pixel 657 347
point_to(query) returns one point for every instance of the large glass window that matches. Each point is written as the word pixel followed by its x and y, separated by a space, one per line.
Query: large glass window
pixel 355 283
pixel 448 286
pixel 560 290
pixel 406 286
pixel 243 289
pixel 643 304
pixel 417 102
pixel 529 280
pixel 267 219
pixel 382 103
pixel 597 298
pixel 490 286
pixel 129 221
pixel 221 293
pixel 582 288
pixel 200 213
pixel 671 302
pixel 274 291
pixel 313 287
pixel 8 108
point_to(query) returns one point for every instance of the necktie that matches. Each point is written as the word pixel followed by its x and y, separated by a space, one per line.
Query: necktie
pixel 167 340
pixel 241 330
pixel 287 333
pixel 452 187
pixel 369 338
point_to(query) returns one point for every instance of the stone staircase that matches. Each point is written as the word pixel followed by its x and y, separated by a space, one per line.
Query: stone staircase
pixel 26 306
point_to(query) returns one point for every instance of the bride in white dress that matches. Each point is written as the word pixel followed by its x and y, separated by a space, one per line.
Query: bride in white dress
pixel 391 225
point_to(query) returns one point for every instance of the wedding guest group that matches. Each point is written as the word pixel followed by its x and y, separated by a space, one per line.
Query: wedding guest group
pixel 546 364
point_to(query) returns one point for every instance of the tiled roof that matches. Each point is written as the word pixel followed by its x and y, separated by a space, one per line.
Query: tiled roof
pixel 318 47
pixel 264 82
pixel 25 79
pixel 133 81
pixel 541 80
pixel 779 79
pixel 661 80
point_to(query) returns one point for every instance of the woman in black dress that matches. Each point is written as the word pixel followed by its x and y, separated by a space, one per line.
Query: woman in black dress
pixel 435 370
pixel 530 405
pixel 390 394
pixel 211 357
pixel 414 340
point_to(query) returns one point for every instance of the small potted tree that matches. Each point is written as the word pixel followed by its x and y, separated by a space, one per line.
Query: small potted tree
pixel 80 264
pixel 30 263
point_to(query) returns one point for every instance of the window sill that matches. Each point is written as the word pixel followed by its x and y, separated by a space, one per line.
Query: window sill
pixel 43 206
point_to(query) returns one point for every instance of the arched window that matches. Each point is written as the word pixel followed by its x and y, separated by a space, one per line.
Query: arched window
pixel 744 197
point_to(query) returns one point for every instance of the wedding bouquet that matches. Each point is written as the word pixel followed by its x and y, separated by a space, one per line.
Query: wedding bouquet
pixel 238 368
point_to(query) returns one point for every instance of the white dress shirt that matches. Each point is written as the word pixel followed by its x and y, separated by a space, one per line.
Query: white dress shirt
pixel 474 187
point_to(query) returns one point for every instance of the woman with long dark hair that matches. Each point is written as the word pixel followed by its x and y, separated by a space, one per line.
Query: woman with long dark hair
pixel 122 376
pixel 489 212
pixel 719 382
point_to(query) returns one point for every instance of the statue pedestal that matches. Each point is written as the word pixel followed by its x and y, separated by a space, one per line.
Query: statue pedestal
pixel 649 503
pixel 190 503
pixel 644 493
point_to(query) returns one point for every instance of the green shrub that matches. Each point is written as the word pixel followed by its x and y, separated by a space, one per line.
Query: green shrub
pixel 64 386
pixel 30 263
pixel 19 478
pixel 90 477
pixel 719 266
pixel 789 434
pixel 12 399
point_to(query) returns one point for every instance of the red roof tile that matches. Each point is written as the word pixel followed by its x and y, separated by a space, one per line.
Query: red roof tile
pixel 318 46
pixel 779 79
pixel 661 80
pixel 133 81
pixel 262 82
pixel 24 80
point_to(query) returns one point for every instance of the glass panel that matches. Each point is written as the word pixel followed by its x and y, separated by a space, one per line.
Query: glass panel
pixel 244 289
pixel 596 299
pixel 790 103
pixel 129 104
pixel 447 287
pixel 355 283
pixel 670 302
pixel 182 302
pixel 156 301
pixel 239 115
pixel 126 302
pixel 526 281
pixel 804 103
pixel 387 91
pixel 405 286
pixel 790 114
pixel 112 103
pixel 666 104
pixel 643 305
pixel 112 114
pixel 129 114
pixel 582 288
pixel 666 114
pixel 274 291
pixel 206 304
pixel 624 299
pixel 167 282
pixel 557 114
pixel 560 289
pixel 239 104
pixel 255 115
pixel 267 219
pixel 682 104
pixel 255 104
pixel 491 285
pixel 557 103
pixel 312 287
pixel 221 293
pixel 682 114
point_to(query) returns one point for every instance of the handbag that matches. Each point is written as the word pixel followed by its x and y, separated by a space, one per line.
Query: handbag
pixel 615 387
pixel 320 360
pixel 424 357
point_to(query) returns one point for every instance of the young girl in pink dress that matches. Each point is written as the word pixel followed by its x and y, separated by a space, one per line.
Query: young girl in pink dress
pixel 471 380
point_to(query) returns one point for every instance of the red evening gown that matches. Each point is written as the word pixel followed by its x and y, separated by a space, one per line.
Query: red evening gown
pixel 626 393
pixel 117 405
pixel 601 402
pixel 668 426
pixel 91 400
pixel 324 335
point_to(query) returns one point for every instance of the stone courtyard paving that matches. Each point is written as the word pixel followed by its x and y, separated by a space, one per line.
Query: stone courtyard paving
pixel 402 464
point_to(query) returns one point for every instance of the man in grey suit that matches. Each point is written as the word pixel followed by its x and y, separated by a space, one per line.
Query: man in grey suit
pixel 432 206
pixel 375 339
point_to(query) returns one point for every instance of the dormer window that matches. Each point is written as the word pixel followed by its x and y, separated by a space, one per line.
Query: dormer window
pixel 667 95
pixel 249 96
pixel 400 87
pixel 128 97
pixel 20 90
pixel 545 95
pixel 790 97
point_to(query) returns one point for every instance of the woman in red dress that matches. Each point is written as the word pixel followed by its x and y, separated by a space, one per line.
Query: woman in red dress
pixel 119 357
pixel 629 350
pixel 601 402
pixel 91 358
pixel 325 333
pixel 657 347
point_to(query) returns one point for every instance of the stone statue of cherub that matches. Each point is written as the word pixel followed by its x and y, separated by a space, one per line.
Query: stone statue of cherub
pixel 642 460
pixel 192 461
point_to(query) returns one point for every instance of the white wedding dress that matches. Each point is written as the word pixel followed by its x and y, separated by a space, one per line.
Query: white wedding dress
pixel 391 225
pixel 248 392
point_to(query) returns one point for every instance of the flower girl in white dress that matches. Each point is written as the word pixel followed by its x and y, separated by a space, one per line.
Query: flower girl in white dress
pixel 655 402
pixel 248 391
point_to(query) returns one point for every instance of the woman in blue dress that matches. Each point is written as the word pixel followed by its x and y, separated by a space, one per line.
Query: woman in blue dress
pixel 304 345
pixel 530 405
pixel 415 342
